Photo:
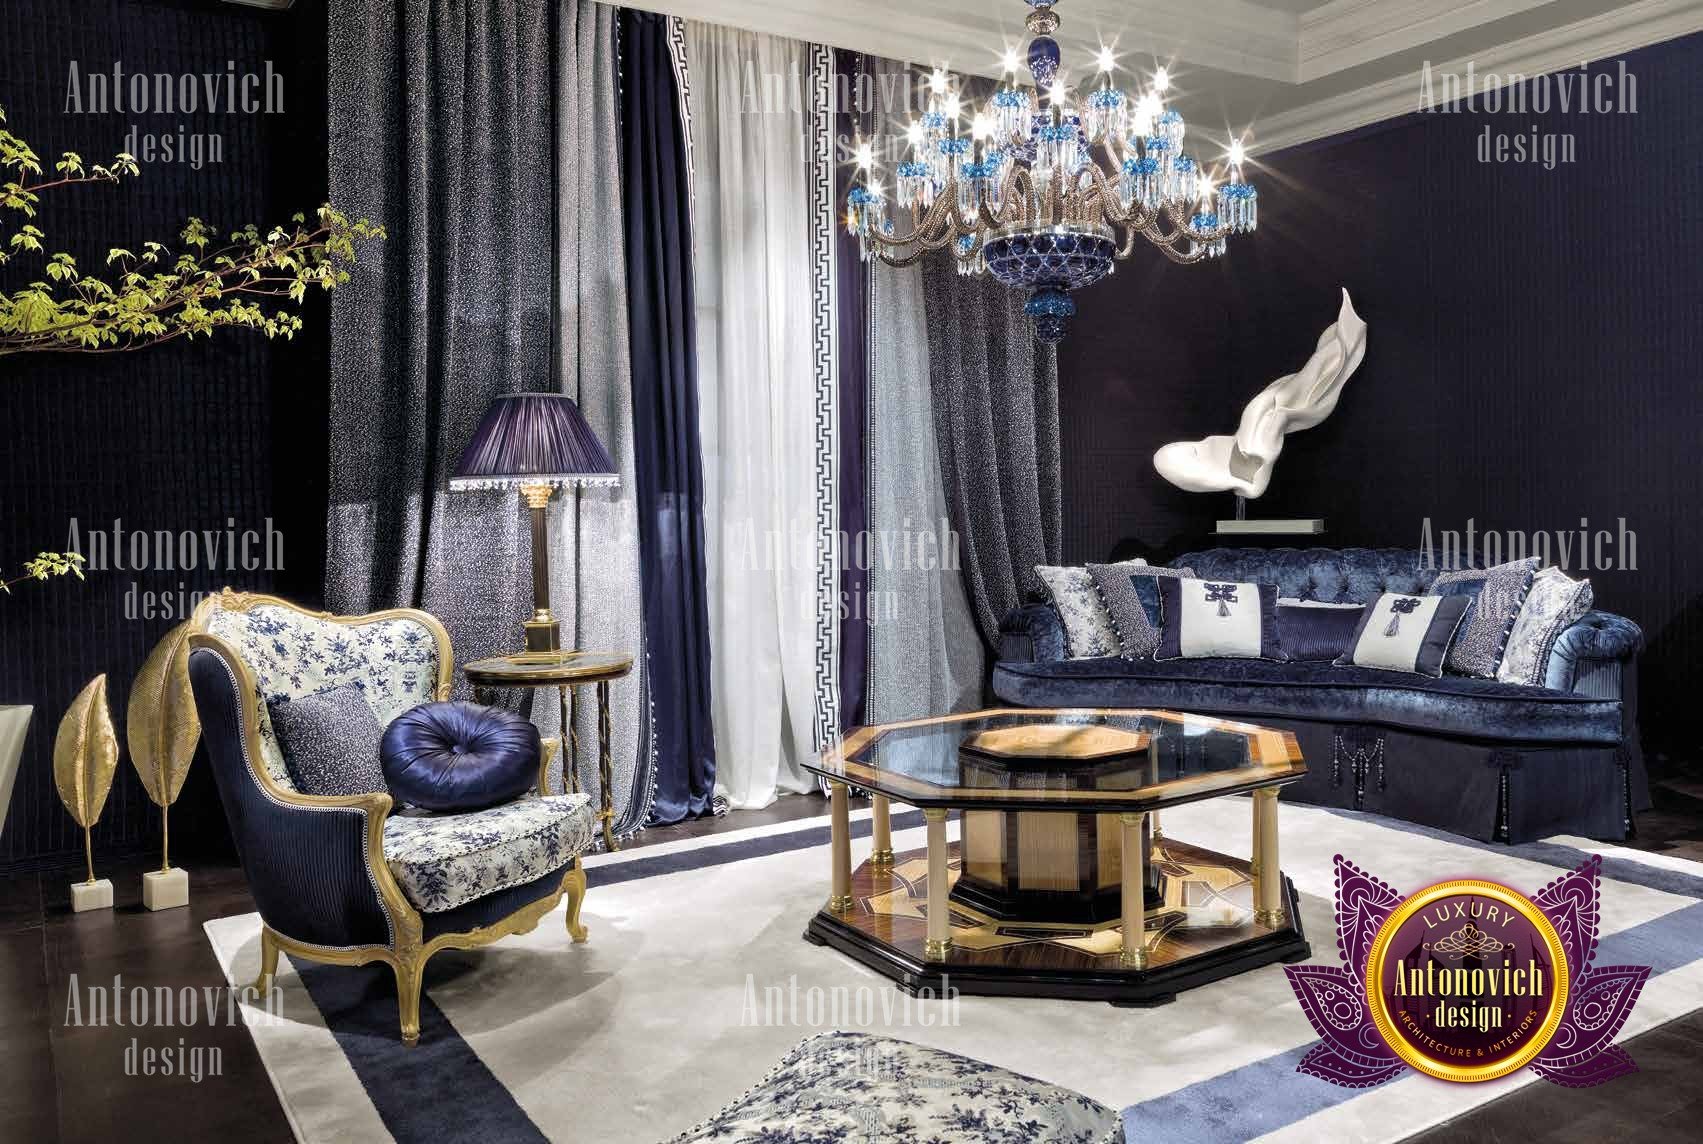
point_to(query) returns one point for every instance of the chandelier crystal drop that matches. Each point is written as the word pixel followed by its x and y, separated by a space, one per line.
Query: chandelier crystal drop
pixel 1046 187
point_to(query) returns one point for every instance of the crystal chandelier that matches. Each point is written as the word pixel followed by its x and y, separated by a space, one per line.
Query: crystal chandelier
pixel 1037 196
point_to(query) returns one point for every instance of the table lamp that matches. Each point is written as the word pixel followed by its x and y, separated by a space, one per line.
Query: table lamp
pixel 535 442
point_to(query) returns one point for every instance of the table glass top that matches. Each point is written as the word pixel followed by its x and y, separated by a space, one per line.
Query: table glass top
pixel 1085 760
pixel 578 665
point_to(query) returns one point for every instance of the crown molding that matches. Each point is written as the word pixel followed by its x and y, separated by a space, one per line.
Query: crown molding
pixel 1346 33
pixel 967 35
pixel 1594 38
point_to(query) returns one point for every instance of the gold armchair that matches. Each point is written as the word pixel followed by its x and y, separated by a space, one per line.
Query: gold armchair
pixel 341 880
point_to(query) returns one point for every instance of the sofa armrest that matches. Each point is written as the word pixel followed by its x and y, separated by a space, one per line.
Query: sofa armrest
pixel 1593 656
pixel 1033 633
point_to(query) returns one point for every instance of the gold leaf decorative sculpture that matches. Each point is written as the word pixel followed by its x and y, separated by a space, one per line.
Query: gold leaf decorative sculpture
pixel 162 727
pixel 85 758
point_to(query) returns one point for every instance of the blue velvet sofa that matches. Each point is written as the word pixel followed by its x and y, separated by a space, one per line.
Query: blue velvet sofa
pixel 1489 760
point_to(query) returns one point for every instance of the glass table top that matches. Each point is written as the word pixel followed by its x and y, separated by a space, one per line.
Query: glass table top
pixel 1081 760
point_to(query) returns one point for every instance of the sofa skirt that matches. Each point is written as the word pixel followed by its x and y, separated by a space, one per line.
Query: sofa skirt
pixel 1489 791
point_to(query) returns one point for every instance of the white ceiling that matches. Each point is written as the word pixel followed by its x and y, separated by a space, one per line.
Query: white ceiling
pixel 1280 71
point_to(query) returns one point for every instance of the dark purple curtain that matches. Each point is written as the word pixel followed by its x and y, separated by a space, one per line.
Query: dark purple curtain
pixel 656 209
pixel 853 318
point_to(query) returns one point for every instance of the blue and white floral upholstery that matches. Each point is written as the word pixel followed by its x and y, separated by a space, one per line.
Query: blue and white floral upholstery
pixel 444 861
pixel 857 1086
pixel 291 654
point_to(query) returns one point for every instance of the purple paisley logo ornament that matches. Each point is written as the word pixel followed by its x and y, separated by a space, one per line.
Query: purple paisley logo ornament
pixel 1467 980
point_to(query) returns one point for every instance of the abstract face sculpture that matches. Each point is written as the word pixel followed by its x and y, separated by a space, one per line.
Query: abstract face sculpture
pixel 1242 464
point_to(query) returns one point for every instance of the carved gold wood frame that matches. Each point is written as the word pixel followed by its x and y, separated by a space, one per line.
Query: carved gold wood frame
pixel 408 953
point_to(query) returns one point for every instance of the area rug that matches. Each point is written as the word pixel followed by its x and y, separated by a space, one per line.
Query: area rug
pixel 696 981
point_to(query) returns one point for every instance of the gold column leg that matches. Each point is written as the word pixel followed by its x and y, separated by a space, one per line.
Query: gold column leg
pixel 882 824
pixel 268 962
pixel 408 981
pixel 938 943
pixel 840 896
pixel 1268 875
pixel 574 883
pixel 605 767
pixel 1133 953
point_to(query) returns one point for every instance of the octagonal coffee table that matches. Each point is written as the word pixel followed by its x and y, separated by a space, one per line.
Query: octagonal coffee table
pixel 1062 883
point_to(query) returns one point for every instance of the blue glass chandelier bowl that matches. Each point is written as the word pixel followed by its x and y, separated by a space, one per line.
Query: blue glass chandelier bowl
pixel 1063 257
pixel 1050 261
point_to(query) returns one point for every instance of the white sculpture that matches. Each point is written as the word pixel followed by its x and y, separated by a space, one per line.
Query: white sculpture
pixel 1242 464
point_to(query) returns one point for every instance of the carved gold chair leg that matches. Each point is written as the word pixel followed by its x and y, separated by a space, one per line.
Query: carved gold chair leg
pixel 574 885
pixel 408 981
pixel 268 962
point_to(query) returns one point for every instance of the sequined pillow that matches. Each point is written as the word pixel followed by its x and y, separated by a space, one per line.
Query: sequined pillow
pixel 1555 603
pixel 1130 594
pixel 1496 595
pixel 330 741
pixel 1088 631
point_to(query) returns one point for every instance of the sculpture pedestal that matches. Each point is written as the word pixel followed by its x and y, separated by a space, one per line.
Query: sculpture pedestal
pixel 165 889
pixel 96 895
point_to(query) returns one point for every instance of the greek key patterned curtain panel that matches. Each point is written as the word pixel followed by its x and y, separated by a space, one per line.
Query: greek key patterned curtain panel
pixel 763 277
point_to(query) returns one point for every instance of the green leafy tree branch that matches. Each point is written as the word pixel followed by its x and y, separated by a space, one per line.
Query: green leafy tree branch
pixel 44 565
pixel 156 296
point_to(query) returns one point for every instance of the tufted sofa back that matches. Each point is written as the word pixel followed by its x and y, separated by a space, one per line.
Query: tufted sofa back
pixel 1331 575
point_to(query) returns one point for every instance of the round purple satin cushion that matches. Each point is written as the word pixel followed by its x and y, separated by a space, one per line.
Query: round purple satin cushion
pixel 459 756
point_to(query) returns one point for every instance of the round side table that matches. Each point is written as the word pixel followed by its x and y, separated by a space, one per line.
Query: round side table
pixel 579 669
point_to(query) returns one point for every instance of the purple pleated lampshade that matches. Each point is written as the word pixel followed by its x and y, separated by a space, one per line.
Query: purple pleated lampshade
pixel 533 438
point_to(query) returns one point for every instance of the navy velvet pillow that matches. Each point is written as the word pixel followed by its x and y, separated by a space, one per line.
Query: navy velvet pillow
pixel 459 756
pixel 1316 632
pixel 329 741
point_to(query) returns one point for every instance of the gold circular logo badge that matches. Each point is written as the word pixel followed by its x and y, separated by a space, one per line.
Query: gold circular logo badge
pixel 1467 980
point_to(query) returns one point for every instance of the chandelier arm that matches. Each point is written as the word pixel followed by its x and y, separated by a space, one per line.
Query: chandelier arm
pixel 913 239
pixel 899 262
pixel 1128 246
pixel 1192 256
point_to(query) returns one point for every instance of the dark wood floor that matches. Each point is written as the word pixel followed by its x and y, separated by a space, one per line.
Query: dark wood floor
pixel 74 1084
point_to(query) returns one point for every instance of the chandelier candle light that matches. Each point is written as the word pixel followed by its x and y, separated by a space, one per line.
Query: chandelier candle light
pixel 1037 196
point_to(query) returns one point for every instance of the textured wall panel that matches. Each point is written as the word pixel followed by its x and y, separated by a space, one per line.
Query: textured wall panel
pixel 1532 357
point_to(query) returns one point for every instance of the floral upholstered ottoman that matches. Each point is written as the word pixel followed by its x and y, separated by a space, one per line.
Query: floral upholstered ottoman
pixel 843 1086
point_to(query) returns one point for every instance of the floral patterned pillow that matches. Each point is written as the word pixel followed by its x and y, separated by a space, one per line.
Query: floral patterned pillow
pixel 1088 630
pixel 846 1086
pixel 1556 602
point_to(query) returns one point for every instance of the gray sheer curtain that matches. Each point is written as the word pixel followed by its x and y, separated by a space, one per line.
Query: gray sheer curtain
pixel 595 569
pixel 477 132
pixel 925 657
pixel 995 395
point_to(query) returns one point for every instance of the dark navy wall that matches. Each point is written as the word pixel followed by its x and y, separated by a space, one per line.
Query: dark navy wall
pixel 186 436
pixel 1533 355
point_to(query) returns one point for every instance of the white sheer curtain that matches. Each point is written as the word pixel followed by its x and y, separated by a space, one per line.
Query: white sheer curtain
pixel 752 277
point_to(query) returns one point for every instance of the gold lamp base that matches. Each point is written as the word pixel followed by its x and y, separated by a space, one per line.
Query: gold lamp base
pixel 543 641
